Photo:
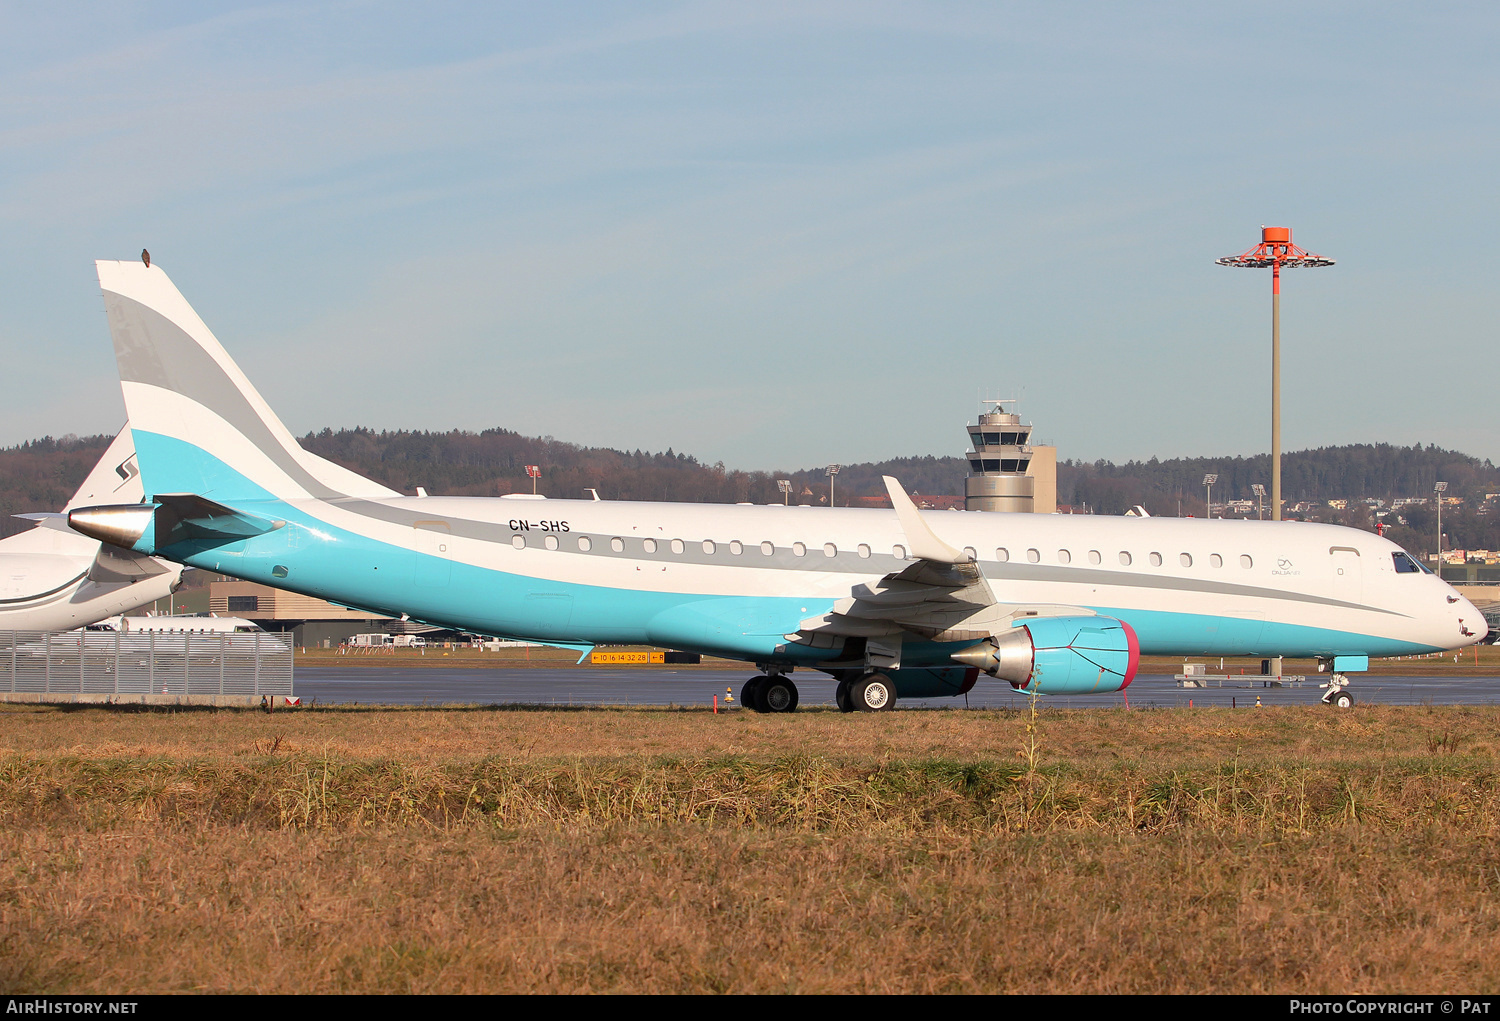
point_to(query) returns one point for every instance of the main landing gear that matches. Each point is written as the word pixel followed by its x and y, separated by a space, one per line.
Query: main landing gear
pixel 869 693
pixel 774 692
pixel 770 692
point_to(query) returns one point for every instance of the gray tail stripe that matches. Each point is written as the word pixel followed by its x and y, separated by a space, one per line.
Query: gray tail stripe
pixel 154 350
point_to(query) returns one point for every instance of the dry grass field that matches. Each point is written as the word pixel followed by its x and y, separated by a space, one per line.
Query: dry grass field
pixel 638 850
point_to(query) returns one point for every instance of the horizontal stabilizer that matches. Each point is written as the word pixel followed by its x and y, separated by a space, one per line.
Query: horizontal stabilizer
pixel 113 565
pixel 171 519
pixel 46 519
pixel 186 517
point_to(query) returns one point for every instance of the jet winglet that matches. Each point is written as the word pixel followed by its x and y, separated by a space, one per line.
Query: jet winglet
pixel 920 539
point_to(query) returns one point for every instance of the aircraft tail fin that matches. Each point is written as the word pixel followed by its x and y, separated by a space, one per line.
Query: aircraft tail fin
pixel 198 424
pixel 115 479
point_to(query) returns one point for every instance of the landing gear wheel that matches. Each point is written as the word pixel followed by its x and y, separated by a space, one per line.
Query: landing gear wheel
pixel 778 695
pixel 752 694
pixel 1343 700
pixel 873 693
pixel 842 698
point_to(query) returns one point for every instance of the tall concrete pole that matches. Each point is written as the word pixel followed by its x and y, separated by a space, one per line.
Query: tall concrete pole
pixel 1276 391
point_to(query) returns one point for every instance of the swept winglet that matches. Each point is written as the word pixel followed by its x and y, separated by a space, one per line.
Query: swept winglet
pixel 920 539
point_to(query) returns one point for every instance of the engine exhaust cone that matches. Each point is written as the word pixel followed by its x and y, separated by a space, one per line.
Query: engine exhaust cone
pixel 119 525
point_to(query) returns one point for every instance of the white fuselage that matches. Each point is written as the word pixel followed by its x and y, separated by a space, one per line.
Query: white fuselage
pixel 44 583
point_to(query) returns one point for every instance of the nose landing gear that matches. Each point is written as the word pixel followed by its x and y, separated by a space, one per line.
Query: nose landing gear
pixel 1338 692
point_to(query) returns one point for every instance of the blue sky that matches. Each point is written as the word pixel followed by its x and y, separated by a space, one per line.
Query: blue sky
pixel 776 235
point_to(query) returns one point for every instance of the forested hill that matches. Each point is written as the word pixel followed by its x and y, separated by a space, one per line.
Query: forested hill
pixel 494 462
pixel 41 474
pixel 1359 470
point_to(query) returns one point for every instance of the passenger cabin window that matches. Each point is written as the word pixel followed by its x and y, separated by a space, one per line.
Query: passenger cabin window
pixel 1002 554
pixel 617 544
pixel 971 552
pixel 708 545
pixel 1034 556
pixel 799 549
pixel 1064 557
pixel 1215 560
pixel 585 543
pixel 1124 559
pixel 864 550
pixel 1185 559
pixel 767 548
pixel 1245 561
pixel 518 541
pixel 676 545
pixel 550 542
pixel 1155 559
pixel 899 552
pixel 736 547
pixel 1094 557
pixel 1404 565
pixel 830 550
pixel 649 545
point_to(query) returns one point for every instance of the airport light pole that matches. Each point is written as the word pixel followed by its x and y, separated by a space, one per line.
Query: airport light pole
pixel 785 485
pixel 831 471
pixel 1260 498
pixel 1208 484
pixel 1440 488
pixel 535 471
pixel 1276 251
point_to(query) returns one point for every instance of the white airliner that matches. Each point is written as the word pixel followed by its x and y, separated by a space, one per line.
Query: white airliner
pixel 53 579
pixel 893 603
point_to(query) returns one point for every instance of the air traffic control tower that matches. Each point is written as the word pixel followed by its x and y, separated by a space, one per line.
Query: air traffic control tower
pixel 1006 473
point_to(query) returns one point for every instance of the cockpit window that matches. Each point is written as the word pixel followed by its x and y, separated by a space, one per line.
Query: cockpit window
pixel 1406 565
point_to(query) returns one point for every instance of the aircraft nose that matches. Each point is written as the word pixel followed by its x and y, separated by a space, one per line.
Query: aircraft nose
pixel 1471 622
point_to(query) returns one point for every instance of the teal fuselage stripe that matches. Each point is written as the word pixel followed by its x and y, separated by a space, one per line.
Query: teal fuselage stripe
pixel 352 569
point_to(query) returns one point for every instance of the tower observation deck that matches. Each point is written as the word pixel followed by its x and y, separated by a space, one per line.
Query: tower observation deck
pixel 1007 473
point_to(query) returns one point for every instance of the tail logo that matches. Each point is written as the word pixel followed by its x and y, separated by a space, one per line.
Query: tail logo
pixel 126 469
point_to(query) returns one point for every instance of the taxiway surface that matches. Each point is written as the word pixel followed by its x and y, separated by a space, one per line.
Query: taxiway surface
pixel 635 686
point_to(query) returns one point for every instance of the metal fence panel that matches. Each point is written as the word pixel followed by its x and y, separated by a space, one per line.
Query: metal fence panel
pixel 146 662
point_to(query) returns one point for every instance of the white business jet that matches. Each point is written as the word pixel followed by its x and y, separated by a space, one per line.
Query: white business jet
pixel 893 603
pixel 53 579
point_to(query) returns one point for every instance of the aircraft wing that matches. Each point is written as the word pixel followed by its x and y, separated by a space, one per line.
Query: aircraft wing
pixel 941 596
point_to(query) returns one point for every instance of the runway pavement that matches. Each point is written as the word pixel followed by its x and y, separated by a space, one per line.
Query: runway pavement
pixel 589 686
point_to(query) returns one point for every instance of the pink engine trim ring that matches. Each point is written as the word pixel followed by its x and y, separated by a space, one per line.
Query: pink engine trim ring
pixel 1135 654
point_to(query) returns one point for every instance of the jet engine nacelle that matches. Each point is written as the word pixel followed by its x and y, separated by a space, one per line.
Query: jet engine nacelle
pixel 1060 655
